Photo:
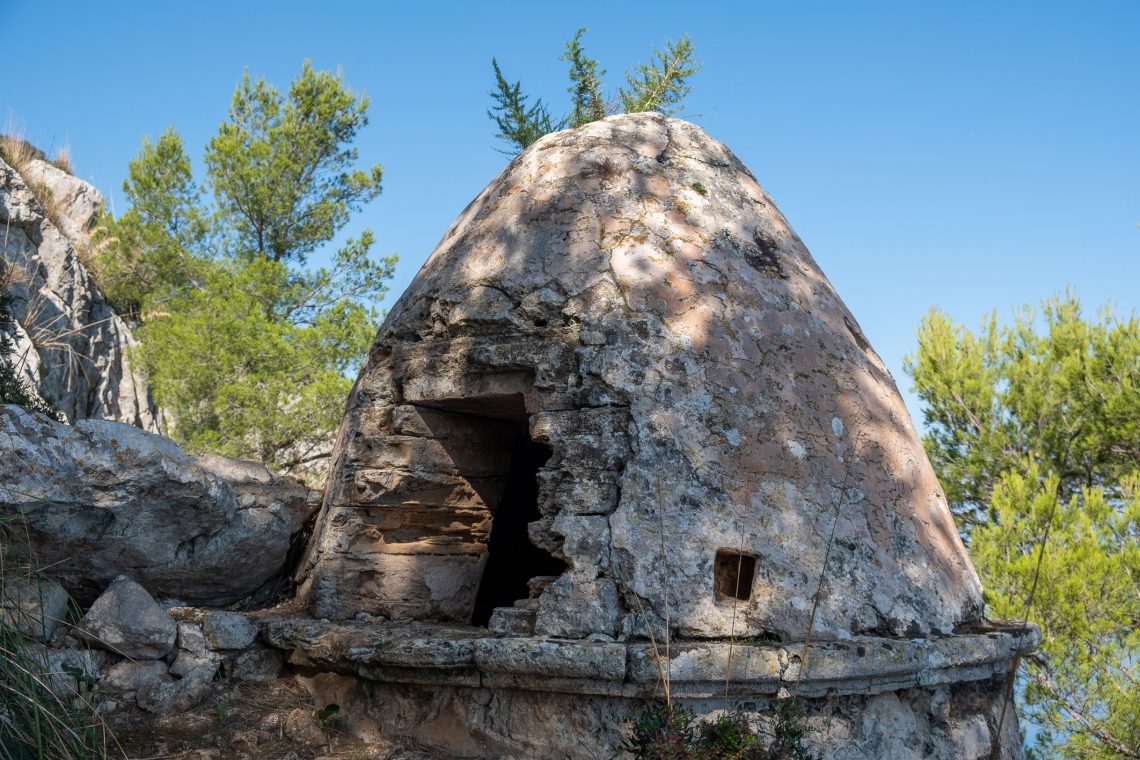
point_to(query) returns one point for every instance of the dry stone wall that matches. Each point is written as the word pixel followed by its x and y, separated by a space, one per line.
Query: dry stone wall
pixel 711 408
pixel 622 376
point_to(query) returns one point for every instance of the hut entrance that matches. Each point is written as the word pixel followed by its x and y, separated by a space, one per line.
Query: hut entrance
pixel 512 559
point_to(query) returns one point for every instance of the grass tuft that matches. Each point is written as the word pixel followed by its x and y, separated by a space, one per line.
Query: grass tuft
pixel 62 161
pixel 45 713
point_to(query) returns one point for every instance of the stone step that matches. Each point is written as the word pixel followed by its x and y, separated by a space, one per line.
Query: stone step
pixel 539 583
pixel 512 621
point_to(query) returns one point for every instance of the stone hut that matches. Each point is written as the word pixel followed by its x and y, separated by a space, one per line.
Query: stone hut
pixel 620 433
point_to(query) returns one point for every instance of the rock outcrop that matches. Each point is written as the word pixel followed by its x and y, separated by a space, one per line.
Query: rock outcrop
pixel 71 346
pixel 76 203
pixel 103 499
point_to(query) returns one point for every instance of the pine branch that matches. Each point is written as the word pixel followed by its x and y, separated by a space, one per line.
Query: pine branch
pixel 519 125
pixel 663 84
pixel 587 103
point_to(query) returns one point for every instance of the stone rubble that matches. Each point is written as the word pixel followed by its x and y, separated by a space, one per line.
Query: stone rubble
pixel 126 620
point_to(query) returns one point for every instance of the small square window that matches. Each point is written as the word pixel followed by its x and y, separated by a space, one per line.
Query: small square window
pixel 733 574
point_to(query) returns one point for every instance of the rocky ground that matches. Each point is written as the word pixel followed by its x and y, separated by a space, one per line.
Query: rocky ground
pixel 277 720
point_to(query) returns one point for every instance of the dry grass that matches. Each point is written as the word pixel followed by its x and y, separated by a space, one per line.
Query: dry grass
pixel 18 152
pixel 62 160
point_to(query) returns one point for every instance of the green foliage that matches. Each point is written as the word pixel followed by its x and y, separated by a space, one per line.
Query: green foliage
pixel 246 346
pixel 13 389
pixel 1034 430
pixel 161 242
pixel 519 124
pixel 663 732
pixel 1067 397
pixel 254 362
pixel 587 103
pixel 328 713
pixel 282 167
pixel 789 730
pixel 660 85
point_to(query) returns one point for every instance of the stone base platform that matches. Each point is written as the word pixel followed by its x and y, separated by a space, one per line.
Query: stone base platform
pixel 469 693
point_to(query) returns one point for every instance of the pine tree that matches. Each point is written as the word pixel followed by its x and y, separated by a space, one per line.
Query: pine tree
pixel 661 85
pixel 585 84
pixel 282 166
pixel 519 124
pixel 164 239
pixel 248 348
pixel 1034 431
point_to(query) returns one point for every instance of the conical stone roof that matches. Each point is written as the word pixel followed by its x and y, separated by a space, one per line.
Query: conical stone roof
pixel 715 423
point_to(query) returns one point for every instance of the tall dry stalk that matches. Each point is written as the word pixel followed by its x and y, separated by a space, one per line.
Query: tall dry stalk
pixel 840 499
pixel 735 604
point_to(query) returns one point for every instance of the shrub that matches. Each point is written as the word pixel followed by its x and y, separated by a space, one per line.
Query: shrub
pixel 665 732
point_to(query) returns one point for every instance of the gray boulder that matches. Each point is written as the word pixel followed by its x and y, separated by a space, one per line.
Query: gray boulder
pixel 227 630
pixel 127 620
pixel 103 499
pixel 128 676
pixel 165 697
pixel 33 606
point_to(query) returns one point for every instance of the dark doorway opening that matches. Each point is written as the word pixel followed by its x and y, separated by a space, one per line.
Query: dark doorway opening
pixel 512 560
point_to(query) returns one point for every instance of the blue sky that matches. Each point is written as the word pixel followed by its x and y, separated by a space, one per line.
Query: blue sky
pixel 973 156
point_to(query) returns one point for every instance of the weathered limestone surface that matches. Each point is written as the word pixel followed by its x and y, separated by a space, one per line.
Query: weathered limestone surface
pixel 70 345
pixel 78 201
pixel 630 292
pixel 104 498
pixel 953 722
pixel 463 655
